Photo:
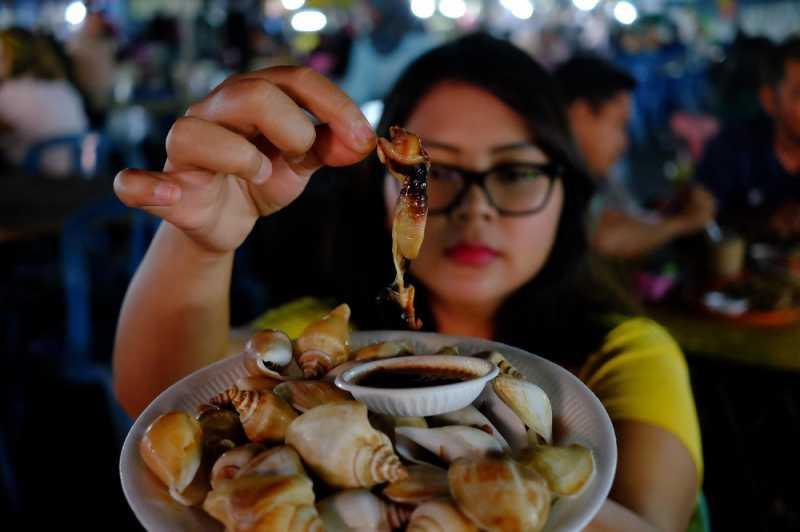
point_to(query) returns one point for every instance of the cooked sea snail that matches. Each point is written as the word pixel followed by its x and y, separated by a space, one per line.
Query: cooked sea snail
pixel 499 494
pixel 439 515
pixel 325 343
pixel 338 443
pixel 172 448
pixel 305 395
pixel 267 353
pixel 358 510
pixel 264 415
pixel 271 503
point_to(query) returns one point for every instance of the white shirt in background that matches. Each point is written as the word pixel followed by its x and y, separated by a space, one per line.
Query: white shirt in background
pixel 36 110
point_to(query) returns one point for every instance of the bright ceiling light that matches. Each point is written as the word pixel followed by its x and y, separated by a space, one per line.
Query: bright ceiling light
pixel 522 9
pixel 423 8
pixel 75 13
pixel 453 8
pixel 625 12
pixel 309 20
pixel 585 5
pixel 291 5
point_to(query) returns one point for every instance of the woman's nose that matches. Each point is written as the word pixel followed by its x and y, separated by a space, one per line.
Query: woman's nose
pixel 474 205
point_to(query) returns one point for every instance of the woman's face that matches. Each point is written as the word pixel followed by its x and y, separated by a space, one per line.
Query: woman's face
pixel 474 255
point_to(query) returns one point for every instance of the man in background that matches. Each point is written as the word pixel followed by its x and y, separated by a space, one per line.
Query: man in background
pixel 753 168
pixel 598 99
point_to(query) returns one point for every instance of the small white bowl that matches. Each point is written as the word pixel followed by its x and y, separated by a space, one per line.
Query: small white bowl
pixel 421 401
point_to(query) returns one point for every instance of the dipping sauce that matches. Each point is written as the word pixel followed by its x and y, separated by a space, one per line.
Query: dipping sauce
pixel 411 377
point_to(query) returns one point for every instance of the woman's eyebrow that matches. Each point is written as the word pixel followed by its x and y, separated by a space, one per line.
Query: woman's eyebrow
pixel 440 145
pixel 523 144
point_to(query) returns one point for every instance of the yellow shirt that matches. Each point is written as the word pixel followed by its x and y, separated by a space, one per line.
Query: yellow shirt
pixel 638 374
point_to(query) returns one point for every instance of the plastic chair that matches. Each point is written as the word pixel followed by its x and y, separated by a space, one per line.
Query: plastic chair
pixel 88 154
pixel 86 235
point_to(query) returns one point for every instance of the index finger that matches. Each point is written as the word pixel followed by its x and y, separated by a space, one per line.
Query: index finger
pixel 332 106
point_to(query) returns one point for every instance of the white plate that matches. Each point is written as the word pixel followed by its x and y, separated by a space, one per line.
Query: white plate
pixel 576 410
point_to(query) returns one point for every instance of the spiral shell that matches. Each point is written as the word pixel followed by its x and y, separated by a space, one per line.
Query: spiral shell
pixel 496 358
pixel 338 443
pixel 499 494
pixel 305 395
pixel 267 352
pixel 222 431
pixel 424 482
pixel 272 503
pixel 388 349
pixel 282 460
pixel 264 415
pixel 440 515
pixel 530 403
pixel 469 416
pixel 567 470
pixel 230 463
pixel 358 510
pixel 325 343
pixel 172 448
pixel 453 442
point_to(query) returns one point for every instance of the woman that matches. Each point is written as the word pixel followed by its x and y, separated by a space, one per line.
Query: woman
pixel 37 103
pixel 503 259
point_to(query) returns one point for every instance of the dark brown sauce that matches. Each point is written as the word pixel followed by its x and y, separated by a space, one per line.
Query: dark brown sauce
pixel 413 377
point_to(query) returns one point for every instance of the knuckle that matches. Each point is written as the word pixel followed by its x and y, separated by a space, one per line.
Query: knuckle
pixel 179 134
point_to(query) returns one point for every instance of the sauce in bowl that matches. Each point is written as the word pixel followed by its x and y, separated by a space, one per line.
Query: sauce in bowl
pixel 413 377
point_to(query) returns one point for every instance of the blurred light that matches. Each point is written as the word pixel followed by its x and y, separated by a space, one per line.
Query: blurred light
pixel 291 5
pixel 585 5
pixel 372 111
pixel 625 12
pixel 452 8
pixel 309 20
pixel 423 8
pixel 522 9
pixel 75 13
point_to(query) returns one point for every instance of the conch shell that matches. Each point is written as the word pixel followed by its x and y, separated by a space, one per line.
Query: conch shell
pixel 530 403
pixel 222 431
pixel 498 494
pixel 272 503
pixel 258 383
pixel 504 419
pixel 172 448
pixel 566 469
pixel 264 415
pixel 440 515
pixel 358 510
pixel 282 460
pixel 325 343
pixel 469 416
pixel 229 464
pixel 305 395
pixel 496 358
pixel 424 482
pixel 338 443
pixel 267 353
pixel 388 349
pixel 453 442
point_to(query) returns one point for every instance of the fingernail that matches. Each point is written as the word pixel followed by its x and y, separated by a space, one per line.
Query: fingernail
pixel 167 192
pixel 363 134
pixel 264 172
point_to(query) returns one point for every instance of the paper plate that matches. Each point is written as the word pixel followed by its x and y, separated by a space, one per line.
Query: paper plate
pixel 578 414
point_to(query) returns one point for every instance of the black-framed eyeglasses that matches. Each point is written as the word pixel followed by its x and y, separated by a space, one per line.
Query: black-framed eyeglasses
pixel 513 189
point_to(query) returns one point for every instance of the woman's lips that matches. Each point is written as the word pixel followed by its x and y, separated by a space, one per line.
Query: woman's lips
pixel 471 254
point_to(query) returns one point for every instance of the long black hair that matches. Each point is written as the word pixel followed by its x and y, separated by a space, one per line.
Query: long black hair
pixel 556 313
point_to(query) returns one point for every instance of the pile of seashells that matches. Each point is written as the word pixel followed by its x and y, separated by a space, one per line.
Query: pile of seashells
pixel 250 454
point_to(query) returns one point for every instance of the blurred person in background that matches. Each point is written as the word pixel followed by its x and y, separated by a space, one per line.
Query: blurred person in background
pixel 598 98
pixel 378 57
pixel 504 254
pixel 93 53
pixel 753 168
pixel 37 103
